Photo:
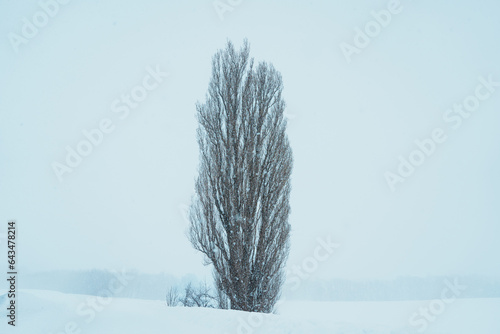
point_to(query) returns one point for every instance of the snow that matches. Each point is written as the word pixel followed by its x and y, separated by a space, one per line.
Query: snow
pixel 50 312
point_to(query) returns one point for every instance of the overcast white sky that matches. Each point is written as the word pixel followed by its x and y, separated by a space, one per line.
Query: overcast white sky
pixel 349 122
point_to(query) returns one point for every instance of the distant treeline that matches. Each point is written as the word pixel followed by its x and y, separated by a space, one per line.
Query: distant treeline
pixel 97 282
pixel 155 286
pixel 404 288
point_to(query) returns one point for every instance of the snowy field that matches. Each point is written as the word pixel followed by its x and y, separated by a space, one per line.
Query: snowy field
pixel 50 312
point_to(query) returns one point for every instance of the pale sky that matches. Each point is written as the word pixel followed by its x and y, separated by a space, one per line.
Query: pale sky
pixel 349 123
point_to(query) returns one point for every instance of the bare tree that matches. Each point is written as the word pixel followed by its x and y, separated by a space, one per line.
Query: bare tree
pixel 239 215
pixel 203 297
pixel 172 298
pixel 198 297
pixel 187 299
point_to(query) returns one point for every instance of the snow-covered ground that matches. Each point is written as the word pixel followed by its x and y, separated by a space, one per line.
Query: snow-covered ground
pixel 50 312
